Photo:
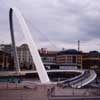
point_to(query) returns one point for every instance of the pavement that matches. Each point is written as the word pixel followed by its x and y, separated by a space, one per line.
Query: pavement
pixel 75 98
pixel 46 92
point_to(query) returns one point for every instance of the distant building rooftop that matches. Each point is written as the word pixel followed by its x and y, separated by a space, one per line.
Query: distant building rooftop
pixel 92 54
pixel 69 51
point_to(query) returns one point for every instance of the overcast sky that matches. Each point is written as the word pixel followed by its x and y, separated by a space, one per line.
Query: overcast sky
pixel 55 24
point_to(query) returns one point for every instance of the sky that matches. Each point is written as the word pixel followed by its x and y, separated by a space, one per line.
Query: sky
pixel 55 24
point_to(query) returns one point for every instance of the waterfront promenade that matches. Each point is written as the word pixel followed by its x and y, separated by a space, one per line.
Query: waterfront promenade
pixel 46 92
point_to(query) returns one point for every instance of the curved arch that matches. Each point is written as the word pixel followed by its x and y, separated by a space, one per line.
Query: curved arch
pixel 32 46
pixel 16 61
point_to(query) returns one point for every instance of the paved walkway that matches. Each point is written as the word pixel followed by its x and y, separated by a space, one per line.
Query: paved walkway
pixel 43 92
pixel 75 98
pixel 24 94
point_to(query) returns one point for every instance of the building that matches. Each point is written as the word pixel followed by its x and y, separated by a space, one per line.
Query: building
pixel 65 59
pixel 6 61
pixel 25 58
pixel 48 58
pixel 91 60
pixel 7 48
pixel 26 61
pixel 70 58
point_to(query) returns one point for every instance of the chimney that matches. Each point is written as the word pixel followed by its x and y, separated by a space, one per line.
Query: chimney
pixel 78 45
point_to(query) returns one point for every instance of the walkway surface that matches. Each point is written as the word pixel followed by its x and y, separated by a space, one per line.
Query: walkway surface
pixel 14 73
pixel 81 80
pixel 87 78
pixel 40 92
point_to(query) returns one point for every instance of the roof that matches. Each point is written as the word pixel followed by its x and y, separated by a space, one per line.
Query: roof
pixel 92 54
pixel 48 53
pixel 2 52
pixel 69 51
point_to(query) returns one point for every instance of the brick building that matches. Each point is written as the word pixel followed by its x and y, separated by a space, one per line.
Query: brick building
pixel 71 58
pixel 91 60
pixel 52 59
pixel 6 61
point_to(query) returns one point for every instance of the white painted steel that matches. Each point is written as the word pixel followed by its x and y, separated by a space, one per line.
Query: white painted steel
pixel 86 81
pixel 33 49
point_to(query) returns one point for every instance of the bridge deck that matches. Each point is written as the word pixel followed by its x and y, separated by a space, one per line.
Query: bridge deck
pixel 14 73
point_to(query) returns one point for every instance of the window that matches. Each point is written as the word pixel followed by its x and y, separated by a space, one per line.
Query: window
pixel 74 59
pixel 69 59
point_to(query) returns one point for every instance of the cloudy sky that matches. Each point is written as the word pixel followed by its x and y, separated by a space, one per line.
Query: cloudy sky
pixel 55 24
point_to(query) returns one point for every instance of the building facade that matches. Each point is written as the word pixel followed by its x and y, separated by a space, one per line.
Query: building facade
pixel 7 48
pixel 70 58
pixel 65 59
pixel 91 60
pixel 25 58
pixel 48 58
pixel 6 61
pixel 26 61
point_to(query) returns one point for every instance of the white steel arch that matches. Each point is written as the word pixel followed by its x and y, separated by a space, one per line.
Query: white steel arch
pixel 32 47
